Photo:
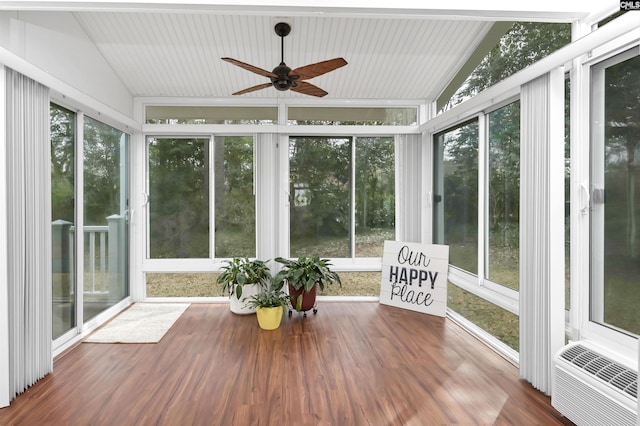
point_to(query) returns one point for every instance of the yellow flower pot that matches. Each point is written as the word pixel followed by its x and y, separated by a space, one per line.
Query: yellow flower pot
pixel 269 318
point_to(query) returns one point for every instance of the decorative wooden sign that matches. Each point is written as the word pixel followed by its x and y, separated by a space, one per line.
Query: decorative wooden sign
pixel 414 277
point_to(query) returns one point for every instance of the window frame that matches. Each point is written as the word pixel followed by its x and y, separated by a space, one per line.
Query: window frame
pixel 212 263
pixel 352 263
pixel 622 342
pixel 483 251
pixel 496 293
pixel 147 235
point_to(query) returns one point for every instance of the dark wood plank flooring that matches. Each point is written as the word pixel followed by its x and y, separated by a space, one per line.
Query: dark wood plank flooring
pixel 351 364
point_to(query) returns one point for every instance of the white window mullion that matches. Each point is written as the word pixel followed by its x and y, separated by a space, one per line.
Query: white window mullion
pixel 283 114
pixel 212 198
pixel 284 245
pixel 79 232
pixel 426 177
pixel 145 202
pixel 138 220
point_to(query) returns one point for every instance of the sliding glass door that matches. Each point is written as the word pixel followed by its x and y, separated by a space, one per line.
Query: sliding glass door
pixel 63 205
pixel 89 256
pixel 106 211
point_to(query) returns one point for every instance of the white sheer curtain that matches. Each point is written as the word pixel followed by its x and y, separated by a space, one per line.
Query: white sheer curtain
pixel 541 227
pixel 28 175
pixel 408 187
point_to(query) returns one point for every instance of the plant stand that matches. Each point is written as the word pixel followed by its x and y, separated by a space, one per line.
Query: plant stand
pixel 304 313
pixel 308 300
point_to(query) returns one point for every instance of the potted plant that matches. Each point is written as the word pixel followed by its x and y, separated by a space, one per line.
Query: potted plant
pixel 269 304
pixel 240 279
pixel 304 276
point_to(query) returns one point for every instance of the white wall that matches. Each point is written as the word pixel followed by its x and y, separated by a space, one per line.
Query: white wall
pixel 57 44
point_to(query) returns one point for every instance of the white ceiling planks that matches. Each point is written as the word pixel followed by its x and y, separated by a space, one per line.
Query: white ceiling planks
pixel 178 54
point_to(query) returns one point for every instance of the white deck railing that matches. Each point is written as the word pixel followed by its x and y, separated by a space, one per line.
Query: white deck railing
pixel 96 274
pixel 101 245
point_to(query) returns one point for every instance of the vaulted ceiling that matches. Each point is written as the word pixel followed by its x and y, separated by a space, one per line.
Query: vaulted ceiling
pixel 165 49
pixel 160 54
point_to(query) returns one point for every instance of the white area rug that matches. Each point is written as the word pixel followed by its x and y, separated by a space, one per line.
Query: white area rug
pixel 140 323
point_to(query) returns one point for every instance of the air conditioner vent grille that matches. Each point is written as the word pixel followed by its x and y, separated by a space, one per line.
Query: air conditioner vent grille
pixel 609 372
pixel 603 368
pixel 596 365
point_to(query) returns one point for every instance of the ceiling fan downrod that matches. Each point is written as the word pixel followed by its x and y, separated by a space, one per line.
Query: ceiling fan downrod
pixel 282 82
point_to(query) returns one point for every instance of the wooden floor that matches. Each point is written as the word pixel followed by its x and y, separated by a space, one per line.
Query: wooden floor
pixel 351 364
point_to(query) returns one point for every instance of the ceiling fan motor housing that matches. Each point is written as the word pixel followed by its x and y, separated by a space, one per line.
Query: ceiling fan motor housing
pixel 283 81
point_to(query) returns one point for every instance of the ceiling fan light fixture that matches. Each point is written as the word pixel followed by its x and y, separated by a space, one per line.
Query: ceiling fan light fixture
pixel 282 84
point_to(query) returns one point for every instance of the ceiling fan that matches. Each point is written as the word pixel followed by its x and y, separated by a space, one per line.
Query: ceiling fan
pixel 284 78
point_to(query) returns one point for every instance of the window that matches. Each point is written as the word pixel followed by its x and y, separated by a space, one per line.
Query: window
pixel 178 198
pixel 63 209
pixel 353 116
pixel 461 203
pixel 180 182
pixel 180 114
pixel 503 196
pixel 183 284
pixel 235 202
pixel 374 195
pixel 106 210
pixel 615 194
pixel 456 194
pixel 499 322
pixel 342 196
pixel 524 44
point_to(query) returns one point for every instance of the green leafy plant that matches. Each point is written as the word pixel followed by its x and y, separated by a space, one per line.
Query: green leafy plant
pixel 305 272
pixel 241 271
pixel 271 296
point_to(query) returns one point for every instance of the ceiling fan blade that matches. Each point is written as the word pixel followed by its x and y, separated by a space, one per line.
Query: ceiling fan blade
pixel 249 67
pixel 253 89
pixel 319 68
pixel 308 89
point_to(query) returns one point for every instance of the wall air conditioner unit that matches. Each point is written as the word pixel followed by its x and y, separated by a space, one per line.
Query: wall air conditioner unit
pixel 590 388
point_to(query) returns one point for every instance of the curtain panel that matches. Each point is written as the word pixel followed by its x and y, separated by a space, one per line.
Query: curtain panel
pixel 28 177
pixel 542 227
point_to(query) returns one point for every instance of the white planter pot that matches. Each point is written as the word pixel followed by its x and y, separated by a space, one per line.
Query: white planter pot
pixel 238 306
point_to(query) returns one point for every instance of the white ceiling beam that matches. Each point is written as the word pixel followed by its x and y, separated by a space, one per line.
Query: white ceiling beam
pixel 491 10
